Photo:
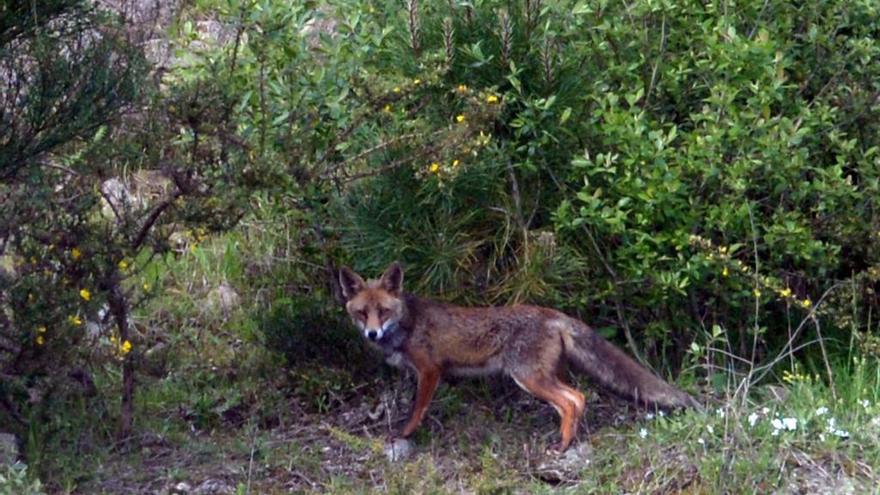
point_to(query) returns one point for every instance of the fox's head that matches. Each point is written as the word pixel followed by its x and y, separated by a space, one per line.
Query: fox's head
pixel 375 306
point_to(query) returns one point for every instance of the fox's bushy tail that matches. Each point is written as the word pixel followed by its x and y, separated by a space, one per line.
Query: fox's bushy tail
pixel 621 375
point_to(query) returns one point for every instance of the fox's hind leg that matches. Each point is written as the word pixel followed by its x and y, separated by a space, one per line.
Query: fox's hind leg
pixel 575 395
pixel 578 399
pixel 567 401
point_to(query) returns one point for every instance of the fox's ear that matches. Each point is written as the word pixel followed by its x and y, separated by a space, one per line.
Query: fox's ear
pixel 350 282
pixel 392 279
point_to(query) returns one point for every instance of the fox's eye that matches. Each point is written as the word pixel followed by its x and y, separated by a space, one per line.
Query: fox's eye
pixel 362 314
pixel 383 312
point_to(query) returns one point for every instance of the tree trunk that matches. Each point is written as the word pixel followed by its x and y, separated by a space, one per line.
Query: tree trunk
pixel 119 308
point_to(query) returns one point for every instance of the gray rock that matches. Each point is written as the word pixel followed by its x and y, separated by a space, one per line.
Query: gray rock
pixel 322 23
pixel 182 488
pixel 566 466
pixel 223 298
pixel 116 199
pixel 820 479
pixel 398 449
pixel 8 449
pixel 213 487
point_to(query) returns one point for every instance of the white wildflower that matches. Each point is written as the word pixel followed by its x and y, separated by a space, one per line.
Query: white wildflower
pixel 701 441
pixel 710 429
pixel 821 411
pixel 649 416
pixel 776 423
pixel 831 427
pixel 788 424
pixel 765 410
pixel 753 418
pixel 643 433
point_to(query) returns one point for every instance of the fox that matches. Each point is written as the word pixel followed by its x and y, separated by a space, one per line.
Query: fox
pixel 531 344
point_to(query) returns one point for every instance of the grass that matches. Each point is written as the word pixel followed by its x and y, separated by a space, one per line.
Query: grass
pixel 215 405
pixel 485 437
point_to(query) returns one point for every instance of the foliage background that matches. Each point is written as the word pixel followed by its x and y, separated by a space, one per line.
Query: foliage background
pixel 699 181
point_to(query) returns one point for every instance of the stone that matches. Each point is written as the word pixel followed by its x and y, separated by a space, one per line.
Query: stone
pixel 558 468
pixel 182 488
pixel 213 487
pixel 8 449
pixel 398 449
pixel 223 298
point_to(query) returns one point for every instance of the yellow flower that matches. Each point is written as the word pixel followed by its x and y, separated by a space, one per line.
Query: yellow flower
pixel 125 348
pixel 417 81
pixel 396 89
pixel 806 303
pixel 41 329
pixel 459 118
pixel 722 249
pixel 122 265
pixel 75 253
pixel 786 292
pixel 491 99
pixel 74 320
pixel 193 247
pixel 146 286
pixel 30 297
pixel 757 292
pixel 725 272
pixel 455 163
pixel 85 294
pixel 462 88
pixel 434 168
pixel 40 340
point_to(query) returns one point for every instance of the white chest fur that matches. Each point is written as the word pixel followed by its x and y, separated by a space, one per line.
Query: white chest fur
pixel 396 359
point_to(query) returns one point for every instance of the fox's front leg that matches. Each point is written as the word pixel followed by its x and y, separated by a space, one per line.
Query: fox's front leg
pixel 428 378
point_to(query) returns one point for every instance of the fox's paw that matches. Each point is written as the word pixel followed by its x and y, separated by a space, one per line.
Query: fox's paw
pixel 557 448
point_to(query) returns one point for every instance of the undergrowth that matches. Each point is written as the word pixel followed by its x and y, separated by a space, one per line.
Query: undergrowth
pixel 226 396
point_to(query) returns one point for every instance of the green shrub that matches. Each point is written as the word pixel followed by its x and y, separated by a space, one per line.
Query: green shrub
pixel 621 161
pixel 306 332
pixel 14 480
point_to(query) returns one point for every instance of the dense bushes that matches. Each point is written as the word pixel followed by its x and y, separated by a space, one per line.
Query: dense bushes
pixel 101 169
pixel 685 166
pixel 667 168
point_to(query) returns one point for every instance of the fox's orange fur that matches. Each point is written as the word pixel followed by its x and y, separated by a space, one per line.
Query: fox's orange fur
pixel 530 344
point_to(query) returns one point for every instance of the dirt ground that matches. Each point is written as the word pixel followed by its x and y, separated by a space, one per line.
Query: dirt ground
pixel 475 436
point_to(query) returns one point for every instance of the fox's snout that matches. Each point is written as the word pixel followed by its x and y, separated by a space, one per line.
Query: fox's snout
pixel 375 334
pixel 370 333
